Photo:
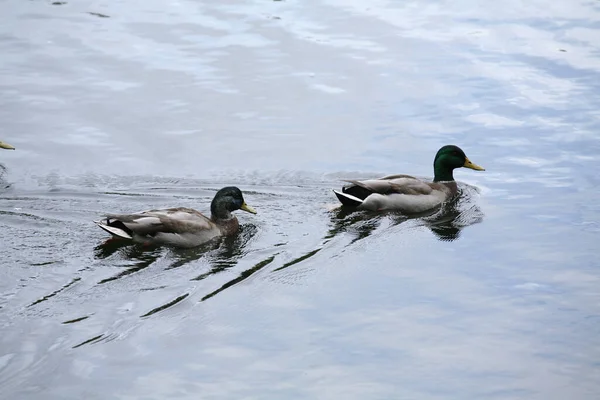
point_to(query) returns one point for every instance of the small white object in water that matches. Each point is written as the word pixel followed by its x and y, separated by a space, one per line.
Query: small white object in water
pixel 529 286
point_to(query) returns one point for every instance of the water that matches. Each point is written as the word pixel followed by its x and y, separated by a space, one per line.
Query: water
pixel 124 107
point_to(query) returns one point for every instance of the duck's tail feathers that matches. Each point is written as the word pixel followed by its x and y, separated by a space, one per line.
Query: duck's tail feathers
pixel 113 230
pixel 347 199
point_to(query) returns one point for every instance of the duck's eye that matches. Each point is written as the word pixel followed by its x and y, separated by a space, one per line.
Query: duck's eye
pixel 455 152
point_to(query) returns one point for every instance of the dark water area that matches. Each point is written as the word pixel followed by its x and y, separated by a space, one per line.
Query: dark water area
pixel 123 107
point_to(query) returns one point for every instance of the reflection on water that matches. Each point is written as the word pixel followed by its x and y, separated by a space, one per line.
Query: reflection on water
pixel 3 183
pixel 141 259
pixel 359 223
pixel 236 257
pixel 244 275
pixel 455 215
pixel 222 252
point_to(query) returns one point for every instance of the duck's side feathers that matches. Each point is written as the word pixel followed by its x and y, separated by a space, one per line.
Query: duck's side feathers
pixel 347 199
pixel 183 239
pixel 113 230
pixel 405 203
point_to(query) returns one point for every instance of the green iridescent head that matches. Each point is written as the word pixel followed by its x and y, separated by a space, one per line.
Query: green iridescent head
pixel 447 159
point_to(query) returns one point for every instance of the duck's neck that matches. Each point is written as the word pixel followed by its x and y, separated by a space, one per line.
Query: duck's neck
pixel 219 211
pixel 441 173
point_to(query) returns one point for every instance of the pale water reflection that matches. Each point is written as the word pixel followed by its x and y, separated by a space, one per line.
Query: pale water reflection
pixel 121 106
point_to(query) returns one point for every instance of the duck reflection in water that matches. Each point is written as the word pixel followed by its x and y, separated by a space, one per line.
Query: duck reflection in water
pixel 445 221
pixel 221 253
pixel 3 183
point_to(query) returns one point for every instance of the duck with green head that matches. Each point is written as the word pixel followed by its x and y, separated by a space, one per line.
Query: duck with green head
pixel 406 193
pixel 6 146
pixel 180 227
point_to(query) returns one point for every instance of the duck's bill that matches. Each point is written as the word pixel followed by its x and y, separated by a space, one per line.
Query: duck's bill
pixel 6 146
pixel 247 208
pixel 469 164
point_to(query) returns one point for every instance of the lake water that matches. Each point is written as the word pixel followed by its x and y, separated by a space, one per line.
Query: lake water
pixel 124 106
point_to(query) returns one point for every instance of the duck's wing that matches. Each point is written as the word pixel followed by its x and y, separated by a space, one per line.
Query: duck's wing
pixel 408 195
pixel 180 221
pixel 402 184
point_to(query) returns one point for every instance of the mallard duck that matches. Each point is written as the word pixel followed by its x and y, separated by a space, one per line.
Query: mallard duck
pixel 181 227
pixel 406 193
pixel 6 146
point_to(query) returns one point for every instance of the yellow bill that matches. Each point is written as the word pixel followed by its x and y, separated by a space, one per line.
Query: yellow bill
pixel 247 208
pixel 6 146
pixel 469 164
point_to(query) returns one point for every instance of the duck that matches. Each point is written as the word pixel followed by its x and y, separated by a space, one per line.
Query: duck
pixel 4 145
pixel 181 226
pixel 405 193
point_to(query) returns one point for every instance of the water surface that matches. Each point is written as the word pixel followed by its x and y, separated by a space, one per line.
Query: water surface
pixel 124 107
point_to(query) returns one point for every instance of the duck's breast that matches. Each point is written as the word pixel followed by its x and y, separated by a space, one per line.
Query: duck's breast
pixel 229 226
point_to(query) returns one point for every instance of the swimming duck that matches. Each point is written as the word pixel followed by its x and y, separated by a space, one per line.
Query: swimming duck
pixel 6 146
pixel 181 227
pixel 406 193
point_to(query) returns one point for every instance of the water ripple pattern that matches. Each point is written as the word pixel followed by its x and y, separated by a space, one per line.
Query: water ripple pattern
pixel 125 106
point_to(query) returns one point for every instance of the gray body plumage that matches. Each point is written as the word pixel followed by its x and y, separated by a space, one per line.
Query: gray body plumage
pixel 402 193
pixel 406 193
pixel 182 227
